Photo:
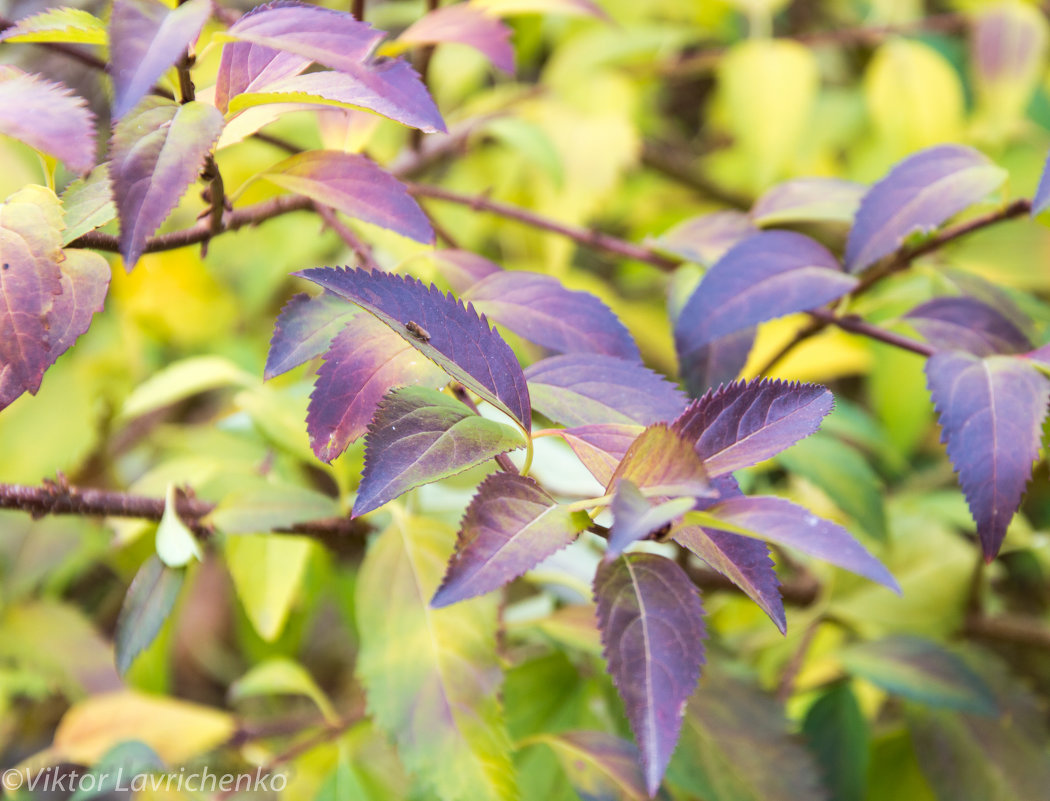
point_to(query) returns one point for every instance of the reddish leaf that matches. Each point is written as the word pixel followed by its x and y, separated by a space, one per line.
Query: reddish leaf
pixel 588 389
pixel 744 423
pixel 48 117
pixel 304 330
pixel 538 308
pixel 464 24
pixel 85 280
pixel 511 525
pixel 635 517
pixel 366 360
pixel 447 332
pixel 991 413
pixel 462 268
pixel 967 324
pixel 146 38
pixel 247 67
pixel 356 186
pixel 652 627
pixel 601 447
pixel 664 463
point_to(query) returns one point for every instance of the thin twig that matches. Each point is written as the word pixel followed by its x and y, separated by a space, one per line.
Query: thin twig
pixel 1009 628
pixel 215 195
pixel 357 8
pixel 362 250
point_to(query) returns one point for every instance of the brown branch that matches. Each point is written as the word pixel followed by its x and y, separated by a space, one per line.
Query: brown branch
pixel 357 8
pixel 215 195
pixel 362 250
pixel 1008 628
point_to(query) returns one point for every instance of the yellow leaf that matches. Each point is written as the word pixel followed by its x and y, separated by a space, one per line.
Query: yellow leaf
pixel 267 573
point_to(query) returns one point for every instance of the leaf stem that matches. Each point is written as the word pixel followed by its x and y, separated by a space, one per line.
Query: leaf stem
pixel 588 503
pixel 528 453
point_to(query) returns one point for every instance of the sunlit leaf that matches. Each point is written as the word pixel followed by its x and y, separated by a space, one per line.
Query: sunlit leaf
pixel 635 518
pixel 280 676
pixel 803 200
pixel 176 544
pixel 267 572
pixel 963 323
pixel 576 8
pixel 88 204
pixel 598 765
pixel 664 463
pixel 183 379
pixel 85 279
pixel 247 67
pixel 270 506
pixel 70 25
pixel 705 239
pixel 148 604
pixel 601 447
pixel 464 24
pixel 305 329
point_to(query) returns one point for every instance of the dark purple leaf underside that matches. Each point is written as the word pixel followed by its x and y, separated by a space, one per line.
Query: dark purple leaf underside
pixel 652 627
pixel 464 24
pixel 304 329
pixel 156 153
pixel 918 194
pixel 742 560
pixel 590 389
pixel 660 458
pixel 511 525
pixel 538 308
pixel 745 423
pixel 808 200
pixel 48 117
pixel 601 447
pixel 145 39
pixel 462 268
pixel 356 186
pixel 964 323
pixel 247 67
pixel 705 239
pixel 785 523
pixel 459 341
pixel 708 366
pixel 765 276
pixel 635 517
pixel 366 360
pixel 991 413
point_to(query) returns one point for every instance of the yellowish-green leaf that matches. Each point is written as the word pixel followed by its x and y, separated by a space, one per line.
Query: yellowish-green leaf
pixel 268 507
pixel 66 25
pixel 182 380
pixel 267 571
pixel 281 676
pixel 176 545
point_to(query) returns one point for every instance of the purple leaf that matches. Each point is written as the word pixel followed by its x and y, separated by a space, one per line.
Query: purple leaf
pixel 464 24
pixel 85 280
pixel 304 329
pixel 663 463
pixel 808 200
pixel 538 308
pixel 356 186
pixel 635 518
pixel 366 360
pixel 991 413
pixel 48 117
pixel 652 627
pixel 155 155
pixel 448 333
pixel 967 324
pixel 1008 47
pixel 588 389
pixel 917 195
pixel 146 38
pixel 599 765
pixel 742 560
pixel 420 435
pixel 247 67
pixel 785 523
pixel 705 239
pixel 742 424
pixel 511 525
pixel 708 366
pixel 1041 200
pixel 602 447
pixel 462 268
pixel 766 276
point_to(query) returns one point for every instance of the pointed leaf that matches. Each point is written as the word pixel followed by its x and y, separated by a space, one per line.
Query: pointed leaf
pixel 155 155
pixel 1041 199
pixel 88 204
pixel 267 572
pixel 538 308
pixel 635 517
pixel 745 423
pixel 69 25
pixel 421 435
pixel 464 24
pixel 705 239
pixel 601 447
pixel 583 390
pixel 85 280
pixel 270 506
pixel 511 525
pixel 784 523
pixel 366 360
pixel 968 324
pixel 991 413
pixel 663 463
pixel 146 38
pixel 763 277
pixel 282 676
pixel 652 628
pixel 808 200
pixel 456 339
pixel 247 67
pixel 598 765
pixel 917 195
pixel 837 734
pixel 148 604
pixel 176 545
pixel 709 366
pixel 48 116
pixel 432 675
pixel 305 329
pixel 356 186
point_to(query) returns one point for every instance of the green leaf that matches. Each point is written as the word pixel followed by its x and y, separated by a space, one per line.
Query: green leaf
pixel 176 545
pixel 267 572
pixel 147 606
pixel 88 204
pixel 184 379
pixel 431 675
pixel 282 677
pixel 116 767
pixel 269 507
pixel 66 25
pixel 599 765
pixel 837 734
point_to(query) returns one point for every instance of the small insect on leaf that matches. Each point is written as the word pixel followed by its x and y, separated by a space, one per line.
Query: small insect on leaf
pixel 418 331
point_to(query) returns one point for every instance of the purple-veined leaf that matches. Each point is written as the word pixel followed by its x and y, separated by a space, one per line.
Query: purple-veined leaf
pixel 742 560
pixel 448 333
pixel 146 38
pixel 705 239
pixel 538 308
pixel 589 389
pixel 745 423
pixel 785 523
pixel 85 280
pixel 599 765
pixel 511 525
pixel 464 24
pixel 355 185
pixel 765 276
pixel 88 204
pixel 808 200
pixel 601 447
pixel 1041 199
pixel 652 627
pixel 304 330
pixel 365 361
pixel 967 324
pixel 420 435
pixel 635 517
pixel 462 268
pixel 917 195
pixel 67 25
pixel 247 67
pixel 991 413
pixel 155 155
pixel 663 463
pixel 47 116
pixel 716 363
